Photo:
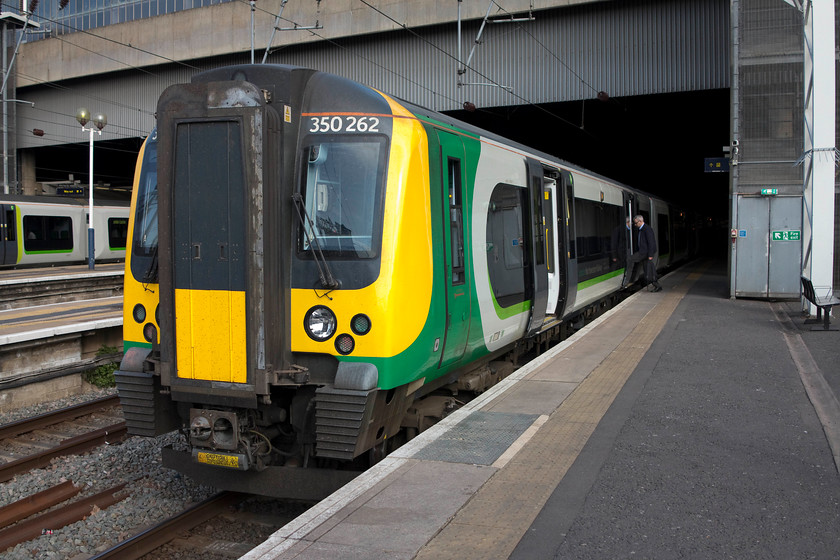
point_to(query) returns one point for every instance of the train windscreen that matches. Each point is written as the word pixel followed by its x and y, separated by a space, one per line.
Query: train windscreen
pixel 342 188
pixel 145 240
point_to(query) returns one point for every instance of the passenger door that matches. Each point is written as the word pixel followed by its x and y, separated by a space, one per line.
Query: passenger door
pixel 456 264
pixel 631 237
pixel 554 238
pixel 8 234
pixel 566 225
pixel 537 261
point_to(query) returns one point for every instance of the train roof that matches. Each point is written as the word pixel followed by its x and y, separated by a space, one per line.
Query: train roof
pixel 264 71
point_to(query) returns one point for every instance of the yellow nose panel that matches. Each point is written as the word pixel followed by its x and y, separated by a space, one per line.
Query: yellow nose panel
pixel 210 335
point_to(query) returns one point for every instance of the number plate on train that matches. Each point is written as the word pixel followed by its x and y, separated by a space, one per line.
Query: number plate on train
pixel 219 460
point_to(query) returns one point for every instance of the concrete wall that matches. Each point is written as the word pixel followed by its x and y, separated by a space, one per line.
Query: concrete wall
pixel 225 28
pixel 50 369
pixel 35 393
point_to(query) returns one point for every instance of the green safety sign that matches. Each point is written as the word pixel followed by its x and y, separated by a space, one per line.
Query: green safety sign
pixel 786 236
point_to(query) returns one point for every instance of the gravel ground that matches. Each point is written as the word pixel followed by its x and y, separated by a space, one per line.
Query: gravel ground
pixel 154 493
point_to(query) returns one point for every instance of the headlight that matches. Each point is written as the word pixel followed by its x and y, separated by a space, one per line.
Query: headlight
pixel 319 323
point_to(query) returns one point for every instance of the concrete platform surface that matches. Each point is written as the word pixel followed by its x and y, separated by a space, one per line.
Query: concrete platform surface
pixel 682 424
pixel 44 321
pixel 12 276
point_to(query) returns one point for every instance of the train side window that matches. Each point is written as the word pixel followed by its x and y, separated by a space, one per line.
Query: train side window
pixel 144 244
pixel 680 232
pixel 588 243
pixel 595 224
pixel 47 234
pixel 456 225
pixel 117 233
pixel 505 250
pixel 548 227
pixel 539 228
pixel 664 241
pixel 570 224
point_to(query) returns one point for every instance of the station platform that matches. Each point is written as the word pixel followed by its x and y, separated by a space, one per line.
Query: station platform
pixel 39 303
pixel 13 276
pixel 681 424
pixel 45 321
pixel 55 323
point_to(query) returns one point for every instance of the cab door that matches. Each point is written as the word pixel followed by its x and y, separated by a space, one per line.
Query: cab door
pixel 457 285
pixel 209 251
pixel 8 234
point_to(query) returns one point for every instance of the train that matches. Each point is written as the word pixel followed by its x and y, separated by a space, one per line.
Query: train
pixel 48 231
pixel 315 265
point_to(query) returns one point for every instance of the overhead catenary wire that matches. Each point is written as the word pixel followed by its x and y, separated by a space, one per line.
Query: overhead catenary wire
pixel 74 125
pixel 97 98
pixel 39 82
pixel 522 27
pixel 128 130
pixel 337 44
pixel 422 86
pixel 321 37
pixel 331 41
pixel 9 6
pixel 455 58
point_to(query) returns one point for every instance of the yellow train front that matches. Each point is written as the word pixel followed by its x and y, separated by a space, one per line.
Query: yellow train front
pixel 281 274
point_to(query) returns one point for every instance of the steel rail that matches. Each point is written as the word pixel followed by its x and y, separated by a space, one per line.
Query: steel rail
pixel 49 418
pixel 72 446
pixel 40 501
pixel 142 543
pixel 56 519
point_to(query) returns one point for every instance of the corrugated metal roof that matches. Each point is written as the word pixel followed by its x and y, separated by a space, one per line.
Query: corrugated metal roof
pixel 623 48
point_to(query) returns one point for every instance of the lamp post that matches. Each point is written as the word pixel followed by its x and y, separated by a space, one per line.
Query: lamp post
pixel 99 122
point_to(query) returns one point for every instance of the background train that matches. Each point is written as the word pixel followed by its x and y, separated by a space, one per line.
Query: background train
pixel 312 260
pixel 45 231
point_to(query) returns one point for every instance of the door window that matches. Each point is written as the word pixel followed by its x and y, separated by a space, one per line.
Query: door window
pixel 456 225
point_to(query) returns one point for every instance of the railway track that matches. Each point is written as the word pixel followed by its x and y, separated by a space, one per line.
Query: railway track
pixel 14 530
pixel 32 436
pixel 222 526
pixel 150 539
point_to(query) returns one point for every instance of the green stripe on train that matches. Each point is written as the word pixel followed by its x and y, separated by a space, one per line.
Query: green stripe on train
pixel 54 252
pixel 598 279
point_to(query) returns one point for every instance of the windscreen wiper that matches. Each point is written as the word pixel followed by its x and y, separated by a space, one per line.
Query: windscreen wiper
pixel 326 277
pixel 151 274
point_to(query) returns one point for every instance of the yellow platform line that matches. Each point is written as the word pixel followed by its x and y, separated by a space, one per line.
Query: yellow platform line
pixel 491 524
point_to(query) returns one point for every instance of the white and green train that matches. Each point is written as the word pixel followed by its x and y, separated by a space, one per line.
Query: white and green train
pixel 311 257
pixel 49 231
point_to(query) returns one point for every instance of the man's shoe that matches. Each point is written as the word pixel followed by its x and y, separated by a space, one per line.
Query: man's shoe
pixel 657 289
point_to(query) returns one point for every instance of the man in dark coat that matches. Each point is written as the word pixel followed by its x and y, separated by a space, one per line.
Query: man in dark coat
pixel 646 251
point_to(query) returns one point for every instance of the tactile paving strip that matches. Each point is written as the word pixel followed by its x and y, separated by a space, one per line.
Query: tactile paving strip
pixel 479 439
